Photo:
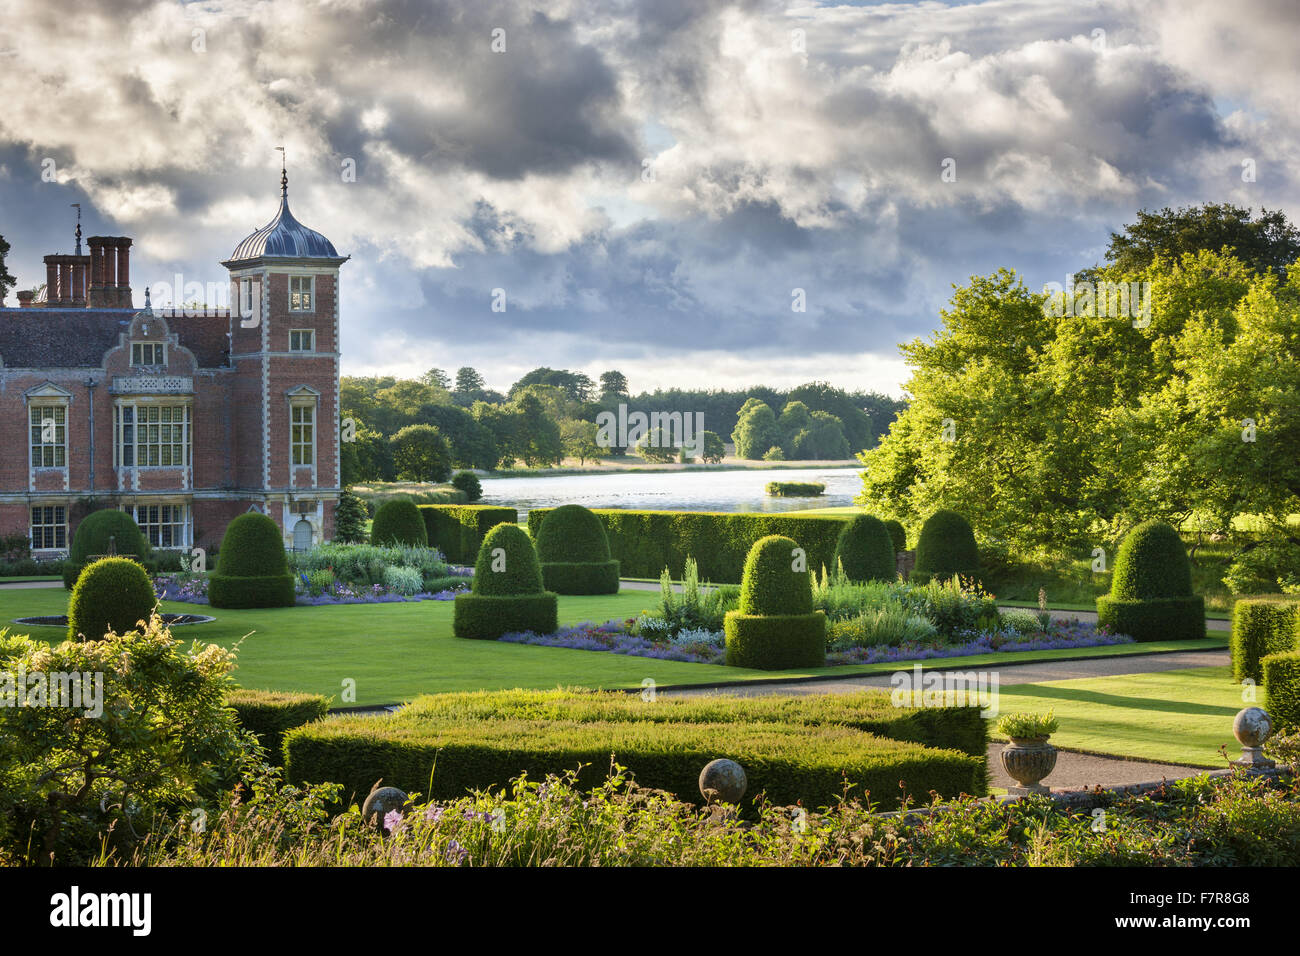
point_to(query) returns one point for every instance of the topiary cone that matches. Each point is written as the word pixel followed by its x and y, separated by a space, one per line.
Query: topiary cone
pixel 775 627
pixel 112 594
pixel 945 549
pixel 574 551
pixel 1151 588
pixel 252 569
pixel 866 550
pixel 507 595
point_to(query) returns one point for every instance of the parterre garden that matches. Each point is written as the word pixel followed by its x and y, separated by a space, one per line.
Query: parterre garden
pixel 795 596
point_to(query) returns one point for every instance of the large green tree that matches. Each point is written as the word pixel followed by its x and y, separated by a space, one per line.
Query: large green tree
pixel 7 281
pixel 1265 243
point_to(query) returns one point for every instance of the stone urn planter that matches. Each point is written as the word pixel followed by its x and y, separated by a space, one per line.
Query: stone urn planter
pixel 1027 760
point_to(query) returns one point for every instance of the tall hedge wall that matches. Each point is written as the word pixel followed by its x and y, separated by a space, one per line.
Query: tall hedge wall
pixel 1262 626
pixel 792 752
pixel 645 542
pixel 457 530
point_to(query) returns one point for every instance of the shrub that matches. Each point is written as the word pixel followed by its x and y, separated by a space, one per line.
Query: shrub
pixel 693 608
pixel 93 538
pixel 1151 589
pixel 774 454
pixel 468 482
pixel 645 542
pixel 946 548
pixel 169 740
pixel 398 521
pixel 270 714
pixel 1261 626
pixel 1282 689
pixel 252 570
pixel 775 627
pixel 865 550
pixel 1025 726
pixel 795 489
pixel 420 453
pixel 349 519
pixel 575 553
pixel 888 626
pixel 897 533
pixel 457 530
pixel 507 593
pixel 112 594
pixel 792 749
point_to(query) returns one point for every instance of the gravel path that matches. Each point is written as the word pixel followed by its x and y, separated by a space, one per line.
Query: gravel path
pixel 1076 771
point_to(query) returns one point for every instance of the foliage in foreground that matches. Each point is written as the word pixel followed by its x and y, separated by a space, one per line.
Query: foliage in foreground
pixel 1196 822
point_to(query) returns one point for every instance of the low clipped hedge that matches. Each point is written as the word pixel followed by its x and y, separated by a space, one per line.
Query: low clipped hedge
pixel 398 521
pixel 93 538
pixel 505 599
pixel 1262 626
pixel 485 617
pixel 112 594
pixel 646 542
pixel 866 550
pixel 795 489
pixel 1282 689
pixel 946 548
pixel 1151 589
pixel 574 552
pixel 458 530
pixel 796 754
pixel 271 714
pixel 252 568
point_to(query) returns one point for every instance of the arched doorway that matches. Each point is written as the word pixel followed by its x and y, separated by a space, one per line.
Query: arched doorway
pixel 302 535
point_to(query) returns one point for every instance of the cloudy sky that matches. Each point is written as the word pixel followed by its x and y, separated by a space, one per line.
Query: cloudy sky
pixel 647 180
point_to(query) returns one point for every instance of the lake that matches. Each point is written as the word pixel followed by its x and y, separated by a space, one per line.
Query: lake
pixel 738 490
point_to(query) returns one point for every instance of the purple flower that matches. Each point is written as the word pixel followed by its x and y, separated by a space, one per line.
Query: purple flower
pixel 455 853
pixel 392 821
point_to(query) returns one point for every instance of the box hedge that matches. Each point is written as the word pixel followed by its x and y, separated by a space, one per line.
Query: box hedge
pixel 1262 626
pixel 252 567
pixel 1282 689
pixel 271 714
pixel 793 755
pixel 97 534
pixel 574 552
pixel 111 594
pixel 507 593
pixel 945 548
pixel 646 542
pixel 1151 589
pixel 775 627
pixel 458 530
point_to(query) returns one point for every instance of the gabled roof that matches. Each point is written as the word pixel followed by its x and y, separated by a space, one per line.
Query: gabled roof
pixel 78 338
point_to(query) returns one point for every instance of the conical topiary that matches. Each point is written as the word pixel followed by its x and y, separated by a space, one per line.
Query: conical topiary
pixel 865 550
pixel 252 569
pixel 945 549
pixel 1151 595
pixel 507 595
pixel 574 551
pixel 775 627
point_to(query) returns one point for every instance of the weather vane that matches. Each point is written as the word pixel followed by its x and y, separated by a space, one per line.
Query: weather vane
pixel 77 205
pixel 284 172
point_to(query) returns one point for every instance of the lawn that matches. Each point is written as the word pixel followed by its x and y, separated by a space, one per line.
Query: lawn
pixel 395 651
pixel 1179 717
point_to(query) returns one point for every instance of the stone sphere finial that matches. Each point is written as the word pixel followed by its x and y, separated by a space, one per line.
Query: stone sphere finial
pixel 723 781
pixel 1252 727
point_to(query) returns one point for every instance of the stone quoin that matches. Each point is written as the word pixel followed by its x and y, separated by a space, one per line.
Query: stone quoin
pixel 185 418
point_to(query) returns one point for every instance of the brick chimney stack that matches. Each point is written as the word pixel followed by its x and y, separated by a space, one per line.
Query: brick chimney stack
pixel 110 272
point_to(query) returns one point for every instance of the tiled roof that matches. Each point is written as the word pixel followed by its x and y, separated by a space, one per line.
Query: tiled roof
pixel 78 338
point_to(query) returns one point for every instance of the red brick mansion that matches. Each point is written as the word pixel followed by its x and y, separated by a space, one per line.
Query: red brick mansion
pixel 183 418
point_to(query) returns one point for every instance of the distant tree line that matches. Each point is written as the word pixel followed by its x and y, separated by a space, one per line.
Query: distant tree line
pixel 421 429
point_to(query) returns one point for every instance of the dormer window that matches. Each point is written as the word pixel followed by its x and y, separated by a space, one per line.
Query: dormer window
pixel 300 293
pixel 147 354
pixel 302 340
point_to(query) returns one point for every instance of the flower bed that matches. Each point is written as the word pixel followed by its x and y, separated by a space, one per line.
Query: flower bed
pixel 194 590
pixel 706 647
